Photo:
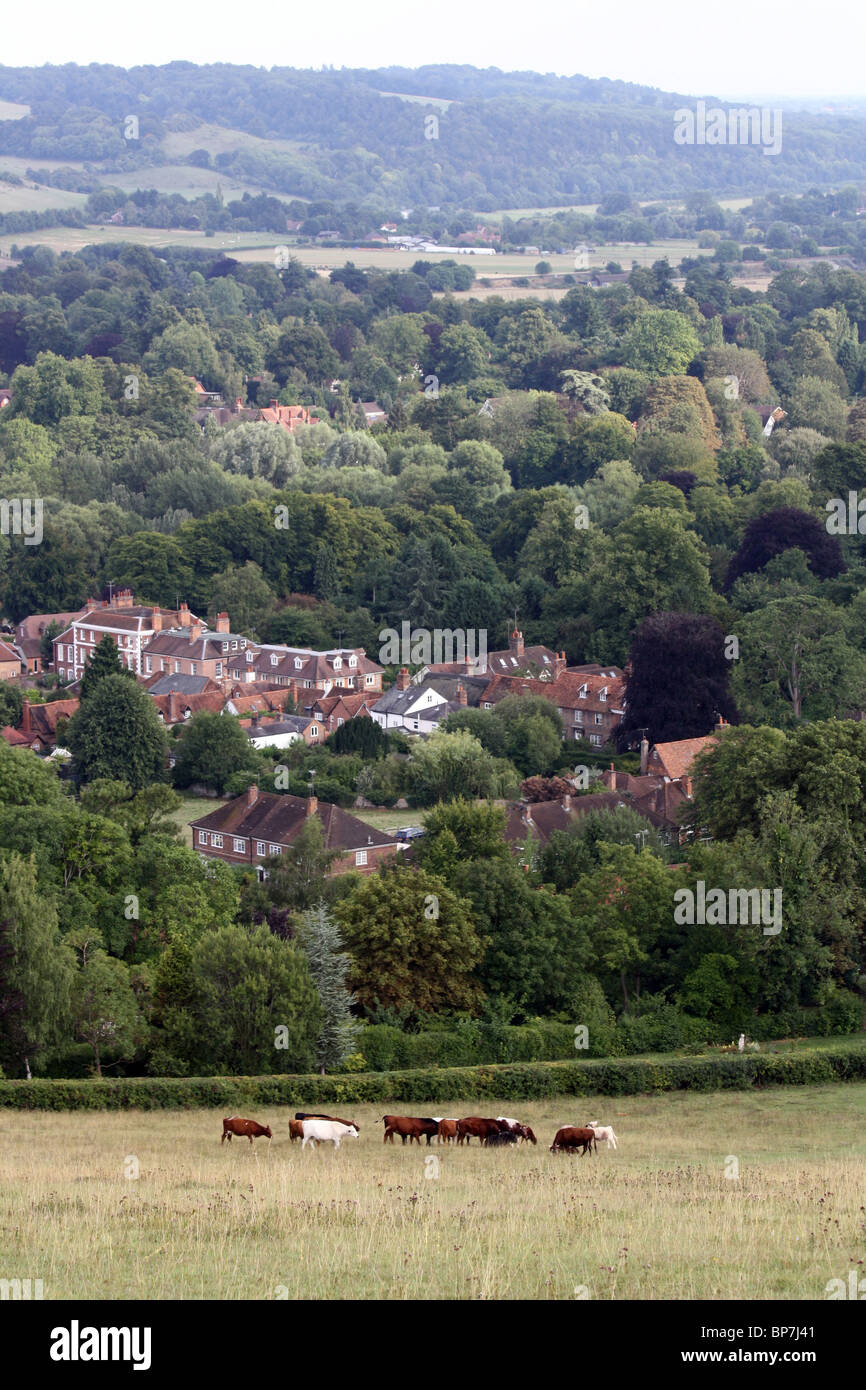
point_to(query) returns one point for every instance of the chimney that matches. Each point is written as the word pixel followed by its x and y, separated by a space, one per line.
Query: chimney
pixel 312 805
pixel 222 622
pixel 252 794
pixel 644 756
pixel 156 620
pixel 275 405
pixel 558 664
pixel 566 802
pixel 515 644
pixel 461 695
pixel 687 786
pixel 403 678
pixel 183 615
pixel 195 631
pixel 173 706
pixel 123 598
pixel 25 716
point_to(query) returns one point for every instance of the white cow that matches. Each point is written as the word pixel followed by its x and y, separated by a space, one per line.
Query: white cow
pixel 603 1132
pixel 325 1131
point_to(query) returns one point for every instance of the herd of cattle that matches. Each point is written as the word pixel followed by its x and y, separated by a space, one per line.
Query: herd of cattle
pixel 330 1129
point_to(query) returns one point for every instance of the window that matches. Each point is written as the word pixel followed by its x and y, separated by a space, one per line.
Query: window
pixel 361 856
pixel 595 739
pixel 234 646
pixel 602 694
pixel 260 848
pixel 314 730
pixel 339 722
pixel 202 837
pixel 217 841
pixel 298 663
pixel 275 660
pixel 177 668
pixel 598 719
pixel 192 668
pixel 148 667
pixel 581 694
pixel 240 846
pixel 225 646
pixel 369 680
pixel 219 668
pixel 545 659
pixel 338 663
pixel 276 849
pixel 163 666
pixel 249 656
pixel 353 661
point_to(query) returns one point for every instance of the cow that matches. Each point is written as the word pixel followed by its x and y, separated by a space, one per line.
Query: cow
pixel 474 1127
pixel 570 1137
pixel 318 1131
pixel 235 1125
pixel 603 1132
pixel 447 1131
pixel 505 1136
pixel 515 1127
pixel 296 1130
pixel 409 1127
pixel 338 1119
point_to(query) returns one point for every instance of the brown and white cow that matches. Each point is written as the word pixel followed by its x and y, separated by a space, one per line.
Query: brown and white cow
pixel 296 1130
pixel 317 1115
pixel 571 1137
pixel 251 1128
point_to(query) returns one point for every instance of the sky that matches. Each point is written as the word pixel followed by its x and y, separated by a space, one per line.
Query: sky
pixel 787 48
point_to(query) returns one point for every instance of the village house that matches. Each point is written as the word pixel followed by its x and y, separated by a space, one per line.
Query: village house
pixel 38 729
pixel 282 730
pixel 257 825
pixel 29 633
pixel 338 708
pixel 191 649
pixel 664 783
pixel 10 662
pixel 591 704
pixel 291 417
pixel 420 709
pixel 132 627
pixel 529 826
pixel 342 668
pixel 516 660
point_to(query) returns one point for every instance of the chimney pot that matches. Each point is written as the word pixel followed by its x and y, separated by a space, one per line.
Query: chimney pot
pixel 252 794
pixel 403 678
pixel 312 805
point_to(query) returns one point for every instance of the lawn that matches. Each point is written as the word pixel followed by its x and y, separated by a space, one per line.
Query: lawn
pixel 190 809
pixel 755 1195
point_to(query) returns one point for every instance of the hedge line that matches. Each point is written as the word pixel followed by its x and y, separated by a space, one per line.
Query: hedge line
pixel 517 1081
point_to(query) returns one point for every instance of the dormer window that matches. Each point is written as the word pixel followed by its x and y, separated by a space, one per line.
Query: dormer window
pixel 234 646
pixel 602 694
pixel 298 663
pixel 225 646
pixel 249 656
pixel 338 663
pixel 353 661
pixel 275 660
pixel 581 694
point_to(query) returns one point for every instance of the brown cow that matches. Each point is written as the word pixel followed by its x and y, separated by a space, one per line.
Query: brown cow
pixel 408 1127
pixel 302 1115
pixel 526 1133
pixel 251 1128
pixel 475 1128
pixel 447 1131
pixel 570 1137
pixel 296 1130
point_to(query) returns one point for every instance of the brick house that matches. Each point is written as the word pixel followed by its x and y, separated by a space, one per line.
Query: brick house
pixel 29 633
pixel 338 708
pixel 282 730
pixel 591 705
pixel 191 649
pixel 38 727
pixel 10 662
pixel 342 668
pixel 131 626
pixel 289 416
pixel 257 824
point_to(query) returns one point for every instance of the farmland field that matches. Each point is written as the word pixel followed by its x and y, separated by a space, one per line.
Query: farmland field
pixel 665 1216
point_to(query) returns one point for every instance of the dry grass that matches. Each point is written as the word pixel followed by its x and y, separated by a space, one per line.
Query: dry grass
pixel 658 1218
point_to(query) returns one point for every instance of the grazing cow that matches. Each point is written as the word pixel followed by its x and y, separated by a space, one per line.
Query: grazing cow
pixel 475 1127
pixel 327 1132
pixel 603 1132
pixel 296 1130
pixel 253 1130
pixel 338 1119
pixel 515 1127
pixel 409 1127
pixel 526 1133
pixel 505 1136
pixel 570 1137
pixel 447 1131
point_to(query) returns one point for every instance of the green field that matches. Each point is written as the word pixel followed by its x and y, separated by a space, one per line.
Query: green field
pixel 755 1195
pixel 190 809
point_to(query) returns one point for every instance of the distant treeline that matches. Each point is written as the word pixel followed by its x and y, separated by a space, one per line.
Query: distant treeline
pixel 507 139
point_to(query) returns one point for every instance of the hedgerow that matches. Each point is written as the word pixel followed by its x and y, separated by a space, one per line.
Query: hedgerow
pixel 515 1081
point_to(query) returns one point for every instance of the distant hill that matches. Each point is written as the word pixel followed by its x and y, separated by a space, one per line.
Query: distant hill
pixel 505 140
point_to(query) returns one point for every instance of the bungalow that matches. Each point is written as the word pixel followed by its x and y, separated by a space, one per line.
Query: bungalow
pixel 257 825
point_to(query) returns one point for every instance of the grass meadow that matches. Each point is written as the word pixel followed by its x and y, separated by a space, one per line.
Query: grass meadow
pixel 756 1195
